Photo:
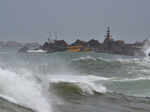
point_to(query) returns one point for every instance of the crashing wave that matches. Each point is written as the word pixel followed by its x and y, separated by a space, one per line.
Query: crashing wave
pixel 18 89
pixel 79 88
pixel 80 84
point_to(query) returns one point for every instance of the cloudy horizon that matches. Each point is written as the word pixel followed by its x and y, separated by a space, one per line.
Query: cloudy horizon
pixel 31 20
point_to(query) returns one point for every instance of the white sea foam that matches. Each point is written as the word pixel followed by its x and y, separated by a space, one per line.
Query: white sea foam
pixel 132 79
pixel 143 62
pixel 21 90
pixel 91 58
pixel 76 78
pixel 90 88
pixel 104 59
pixel 147 51
pixel 85 58
pixel 146 48
pixel 132 60
pixel 86 83
pixel 36 51
pixel 9 99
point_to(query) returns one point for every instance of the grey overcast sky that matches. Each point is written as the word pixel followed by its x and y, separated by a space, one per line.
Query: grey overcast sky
pixel 31 20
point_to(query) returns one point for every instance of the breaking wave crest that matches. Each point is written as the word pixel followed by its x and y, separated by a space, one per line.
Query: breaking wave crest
pixel 118 59
pixel 135 60
pixel 85 58
pixel 18 89
pixel 84 85
pixel 80 88
pixel 132 79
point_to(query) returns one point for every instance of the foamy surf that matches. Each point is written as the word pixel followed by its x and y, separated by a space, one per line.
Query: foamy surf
pixel 18 89
pixel 85 58
pixel 10 99
pixel 87 84
pixel 132 79
pixel 36 51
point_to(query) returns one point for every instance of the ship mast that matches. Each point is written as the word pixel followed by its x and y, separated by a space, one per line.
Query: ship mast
pixel 50 40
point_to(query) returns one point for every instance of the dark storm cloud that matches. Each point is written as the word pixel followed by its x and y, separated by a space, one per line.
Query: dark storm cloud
pixel 31 20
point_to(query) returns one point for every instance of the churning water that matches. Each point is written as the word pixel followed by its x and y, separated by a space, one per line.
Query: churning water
pixel 73 82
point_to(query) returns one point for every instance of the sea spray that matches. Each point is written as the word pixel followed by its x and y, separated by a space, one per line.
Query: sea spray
pixel 87 84
pixel 147 51
pixel 84 58
pixel 26 92
pixel 146 47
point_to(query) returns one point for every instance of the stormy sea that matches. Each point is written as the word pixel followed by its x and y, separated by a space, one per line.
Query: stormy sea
pixel 73 82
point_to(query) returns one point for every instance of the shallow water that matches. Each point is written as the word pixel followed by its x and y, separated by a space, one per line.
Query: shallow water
pixel 73 82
